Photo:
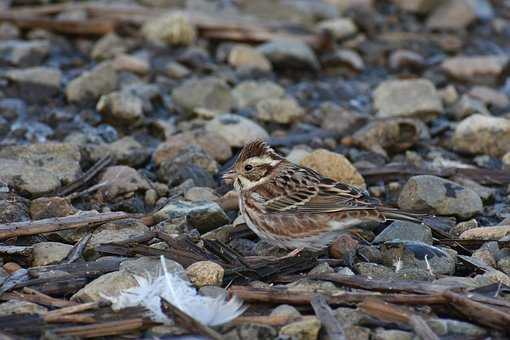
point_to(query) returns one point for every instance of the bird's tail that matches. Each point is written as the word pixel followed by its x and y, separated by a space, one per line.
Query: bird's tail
pixel 438 224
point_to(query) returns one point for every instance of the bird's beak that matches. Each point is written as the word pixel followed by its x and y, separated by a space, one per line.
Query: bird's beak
pixel 229 176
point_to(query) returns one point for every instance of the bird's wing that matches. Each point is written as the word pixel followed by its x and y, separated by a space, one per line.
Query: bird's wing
pixel 305 191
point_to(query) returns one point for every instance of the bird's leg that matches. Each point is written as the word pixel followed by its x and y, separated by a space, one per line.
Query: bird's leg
pixel 293 253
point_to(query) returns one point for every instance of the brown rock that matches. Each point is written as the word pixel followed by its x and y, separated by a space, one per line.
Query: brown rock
pixel 46 253
pixel 476 69
pixel 486 233
pixel 46 207
pixel 120 180
pixel 205 273
pixel 344 245
pixel 247 57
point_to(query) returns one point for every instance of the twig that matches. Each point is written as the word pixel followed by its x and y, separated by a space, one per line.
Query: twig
pixel 271 320
pixel 57 223
pixel 86 177
pixel 38 297
pixel 77 249
pixel 87 191
pixel 321 308
pixel 71 310
pixel 188 322
pixel 74 318
pixel 102 329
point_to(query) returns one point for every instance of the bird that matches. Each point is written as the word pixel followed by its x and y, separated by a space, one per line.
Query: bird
pixel 295 207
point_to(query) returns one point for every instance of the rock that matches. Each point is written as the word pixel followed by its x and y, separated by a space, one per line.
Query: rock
pixel 8 31
pixel 461 227
pixel 486 233
pixel 485 256
pixel 458 14
pixel 204 216
pixel 110 285
pixel 344 247
pixel 121 108
pixel 479 134
pixel 449 95
pixel 390 135
pixel 121 179
pixel 128 151
pixel 392 334
pixel 236 130
pixel 375 271
pixel 248 331
pixel 117 231
pixel 211 142
pixel 449 327
pixel 205 273
pixel 484 70
pixel 199 194
pixel 406 59
pixel 492 277
pixel 46 253
pixel 249 93
pixel 339 28
pixel 504 265
pixel 417 259
pixel 150 266
pixel 402 230
pixel 485 193
pixel 279 110
pixel 170 29
pixel 35 83
pixel 47 207
pixel 109 46
pixel 490 96
pixel 191 154
pixel 23 53
pixel 39 168
pixel 12 108
pixel 334 166
pixel 210 93
pixel 439 196
pixel 342 58
pixel 290 54
pixel 13 307
pixel 129 63
pixel 307 329
pixel 467 106
pixel 90 85
pixel 417 6
pixel 245 57
pixel 13 209
pixel 286 310
pixel 410 98
pixel 175 70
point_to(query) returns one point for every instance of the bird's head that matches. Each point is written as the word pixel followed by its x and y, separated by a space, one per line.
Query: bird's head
pixel 253 166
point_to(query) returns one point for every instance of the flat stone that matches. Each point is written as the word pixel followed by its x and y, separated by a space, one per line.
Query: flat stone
pixel 47 207
pixel 375 271
pixel 450 327
pixel 490 96
pixel 117 231
pixel 109 46
pixel 410 98
pixel 334 166
pixel 402 230
pixel 13 307
pixel 245 57
pixel 199 194
pixel 110 285
pixel 340 28
pixel 392 334
pixel 290 54
pixel 209 93
pixel 249 93
pixel 307 329
pixel 286 310
pixel 150 266
pixel 46 253
pixel 120 180
pixel 205 273
pixel 439 196
pixel 486 233
pixel 236 130
pixel 279 110
pixel 128 151
pixel 35 83
pixel 90 85
pixel 121 108
pixel 23 53
pixel 484 70
pixel 130 63
pixel 479 134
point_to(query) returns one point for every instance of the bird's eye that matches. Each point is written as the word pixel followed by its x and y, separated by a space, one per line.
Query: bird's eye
pixel 248 167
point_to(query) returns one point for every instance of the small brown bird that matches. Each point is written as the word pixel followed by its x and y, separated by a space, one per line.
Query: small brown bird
pixel 295 207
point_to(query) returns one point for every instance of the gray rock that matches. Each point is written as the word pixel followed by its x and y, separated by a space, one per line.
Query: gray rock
pixel 467 106
pixel 148 266
pixel 169 29
pixel 35 83
pixel 409 255
pixel 190 154
pixel 39 168
pixel 490 96
pixel 109 285
pixel 128 151
pixel 402 230
pixel 479 134
pixel 121 108
pixel 9 31
pixel 245 57
pixel 279 110
pixel 236 130
pixel 339 28
pixel 204 216
pixel 406 59
pixel 248 331
pixel 439 196
pixel 417 6
pixel 12 108
pixel 343 58
pixel 458 14
pixel 13 210
pixel 375 271
pixel 504 265
pixel 117 231
pixel 445 327
pixel 21 307
pixel 286 310
pixel 120 180
pixel 410 98
pixel 476 69
pixel 307 329
pixel 290 54
pixel 198 194
pixel 90 85
pixel 109 46
pixel 392 334
pixel 249 93
pixel 209 93
pixel 46 253
pixel 23 53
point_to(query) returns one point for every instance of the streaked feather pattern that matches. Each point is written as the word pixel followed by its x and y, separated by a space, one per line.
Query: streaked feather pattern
pixel 170 287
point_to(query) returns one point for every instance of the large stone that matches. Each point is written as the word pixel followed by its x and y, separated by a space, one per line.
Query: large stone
pixel 47 207
pixel 23 53
pixel 290 54
pixel 46 253
pixel 127 151
pixel 121 108
pixel 339 28
pixel 486 233
pixel 458 14
pixel 109 46
pixel 334 166
pixel 402 230
pixel 39 168
pixel 35 83
pixel 480 134
pixel 21 307
pixel 279 110
pixel 117 231
pixel 150 266
pixel 90 85
pixel 170 29
pixel 476 69
pixel 307 329
pixel 236 130
pixel 245 57
pixel 120 179
pixel 249 93
pixel 205 93
pixel 410 98
pixel 439 196
pixel 205 273
pixel 107 285
pixel 490 96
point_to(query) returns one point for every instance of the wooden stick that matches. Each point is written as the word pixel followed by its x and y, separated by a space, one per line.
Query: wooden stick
pixel 77 249
pixel 73 318
pixel 86 177
pixel 46 299
pixel 88 27
pixel 102 329
pixel 57 223
pixel 272 320
pixel 321 308
pixel 188 322
pixel 70 310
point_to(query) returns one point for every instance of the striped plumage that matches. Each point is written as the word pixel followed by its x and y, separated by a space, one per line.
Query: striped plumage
pixel 295 207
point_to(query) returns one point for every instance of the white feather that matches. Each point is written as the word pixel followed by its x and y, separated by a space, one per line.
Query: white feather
pixel 172 288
